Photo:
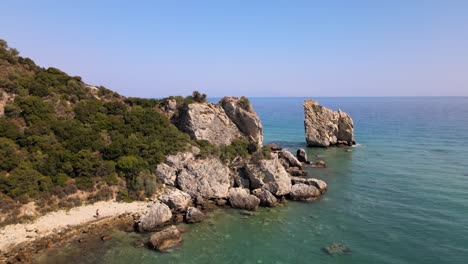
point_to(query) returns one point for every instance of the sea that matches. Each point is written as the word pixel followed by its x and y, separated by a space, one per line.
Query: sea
pixel 399 196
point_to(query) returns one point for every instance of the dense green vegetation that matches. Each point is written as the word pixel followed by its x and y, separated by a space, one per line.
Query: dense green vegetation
pixel 59 136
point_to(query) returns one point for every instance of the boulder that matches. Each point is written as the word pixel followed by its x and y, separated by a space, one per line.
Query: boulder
pixel 290 158
pixel 302 155
pixel 176 199
pixel 325 127
pixel 266 198
pixel 157 214
pixel 194 215
pixel 208 178
pixel 274 147
pixel 295 171
pixel 304 192
pixel 242 199
pixel 319 184
pixel 206 121
pixel 319 164
pixel 270 175
pixel 241 113
pixel 166 239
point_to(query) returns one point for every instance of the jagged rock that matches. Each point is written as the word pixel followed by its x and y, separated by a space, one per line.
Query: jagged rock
pixel 241 112
pixel 325 127
pixel 266 198
pixel 157 214
pixel 304 192
pixel 302 155
pixel 290 158
pixel 270 175
pixel 209 122
pixel 206 177
pixel 166 174
pixel 165 239
pixel 319 164
pixel 274 147
pixel 194 215
pixel 241 198
pixel 319 184
pixel 176 199
pixel 241 179
pixel 295 171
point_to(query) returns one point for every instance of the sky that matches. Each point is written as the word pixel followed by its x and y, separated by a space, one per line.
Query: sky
pixel 269 48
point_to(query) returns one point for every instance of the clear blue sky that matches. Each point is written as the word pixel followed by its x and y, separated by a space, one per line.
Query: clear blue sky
pixel 253 48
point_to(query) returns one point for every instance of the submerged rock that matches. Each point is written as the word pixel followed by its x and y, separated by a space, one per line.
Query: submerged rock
pixel 266 198
pixel 304 192
pixel 208 178
pixel 166 239
pixel 194 215
pixel 270 175
pixel 337 249
pixel 157 214
pixel 319 164
pixel 325 127
pixel 242 199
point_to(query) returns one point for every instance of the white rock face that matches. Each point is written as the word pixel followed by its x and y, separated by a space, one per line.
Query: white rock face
pixel 157 214
pixel 208 178
pixel 242 199
pixel 304 192
pixel 325 127
pixel 176 199
pixel 270 175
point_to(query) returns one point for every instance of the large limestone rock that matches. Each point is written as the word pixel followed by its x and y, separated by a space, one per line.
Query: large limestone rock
pixel 157 214
pixel 304 192
pixel 166 239
pixel 266 198
pixel 209 122
pixel 194 215
pixel 208 178
pixel 242 199
pixel 325 127
pixel 176 199
pixel 319 184
pixel 290 159
pixel 270 175
pixel 241 112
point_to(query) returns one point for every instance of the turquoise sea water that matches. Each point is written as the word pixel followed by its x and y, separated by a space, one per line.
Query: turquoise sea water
pixel 399 196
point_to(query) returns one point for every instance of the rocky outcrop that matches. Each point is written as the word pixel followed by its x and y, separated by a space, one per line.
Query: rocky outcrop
pixel 166 239
pixel 301 155
pixel 208 178
pixel 176 199
pixel 157 214
pixel 266 198
pixel 220 124
pixel 194 215
pixel 241 112
pixel 242 199
pixel 291 160
pixel 304 192
pixel 325 127
pixel 319 184
pixel 270 175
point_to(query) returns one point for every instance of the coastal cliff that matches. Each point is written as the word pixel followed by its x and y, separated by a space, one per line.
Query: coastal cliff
pixel 325 127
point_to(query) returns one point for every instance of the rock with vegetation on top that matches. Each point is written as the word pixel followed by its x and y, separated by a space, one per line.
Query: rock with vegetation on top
pixel 241 112
pixel 304 192
pixel 176 199
pixel 266 198
pixel 209 178
pixel 157 214
pixel 242 199
pixel 269 174
pixel 319 184
pixel 194 215
pixel 325 127
pixel 165 239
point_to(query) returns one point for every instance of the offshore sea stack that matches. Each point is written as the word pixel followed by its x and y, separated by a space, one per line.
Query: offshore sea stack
pixel 325 127
pixel 220 124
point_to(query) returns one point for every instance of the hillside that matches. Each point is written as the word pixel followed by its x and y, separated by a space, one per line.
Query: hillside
pixel 63 142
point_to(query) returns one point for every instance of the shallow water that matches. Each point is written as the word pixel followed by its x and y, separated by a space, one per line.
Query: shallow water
pixel 399 196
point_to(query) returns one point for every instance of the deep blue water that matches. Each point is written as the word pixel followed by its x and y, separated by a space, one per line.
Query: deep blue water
pixel 399 196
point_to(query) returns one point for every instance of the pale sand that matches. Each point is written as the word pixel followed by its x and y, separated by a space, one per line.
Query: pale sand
pixel 12 235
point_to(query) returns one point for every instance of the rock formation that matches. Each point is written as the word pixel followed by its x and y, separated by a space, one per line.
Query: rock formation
pixel 304 192
pixel 242 199
pixel 266 198
pixel 270 175
pixel 166 238
pixel 176 199
pixel 157 214
pixel 325 127
pixel 220 124
pixel 194 215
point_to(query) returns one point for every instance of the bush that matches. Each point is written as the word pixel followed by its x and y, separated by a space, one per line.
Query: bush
pixel 244 103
